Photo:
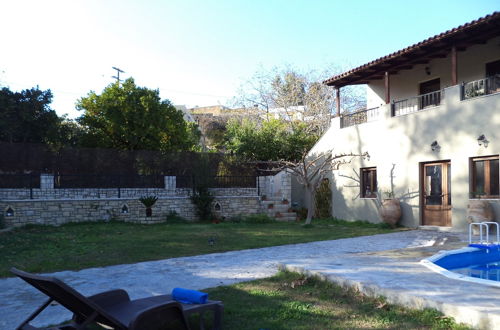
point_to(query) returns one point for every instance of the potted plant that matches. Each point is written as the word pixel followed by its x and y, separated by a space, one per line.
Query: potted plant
pixel 148 202
pixel 284 201
pixel 390 209
pixel 263 197
pixel 270 206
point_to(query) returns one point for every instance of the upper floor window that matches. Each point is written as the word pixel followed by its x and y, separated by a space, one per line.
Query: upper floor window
pixel 369 182
pixel 484 177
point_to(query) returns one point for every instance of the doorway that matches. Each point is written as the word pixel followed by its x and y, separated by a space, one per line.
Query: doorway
pixel 435 193
pixel 427 90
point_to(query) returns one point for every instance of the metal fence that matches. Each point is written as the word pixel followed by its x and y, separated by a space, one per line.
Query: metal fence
pixel 480 87
pixel 108 181
pixel 114 185
pixel 359 117
pixel 416 103
pixel 217 182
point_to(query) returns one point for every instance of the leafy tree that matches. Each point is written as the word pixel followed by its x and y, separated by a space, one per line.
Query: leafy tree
pixel 128 117
pixel 26 116
pixel 269 140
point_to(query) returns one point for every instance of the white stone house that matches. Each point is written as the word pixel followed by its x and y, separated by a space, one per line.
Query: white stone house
pixel 431 127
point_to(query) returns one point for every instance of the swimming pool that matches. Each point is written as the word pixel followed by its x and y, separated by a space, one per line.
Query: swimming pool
pixel 472 264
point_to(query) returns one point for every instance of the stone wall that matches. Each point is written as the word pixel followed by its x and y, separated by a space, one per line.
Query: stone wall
pixel 56 212
pixel 278 186
pixel 54 206
pixel 97 193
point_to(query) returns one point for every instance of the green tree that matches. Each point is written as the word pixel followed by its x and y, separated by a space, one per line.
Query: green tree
pixel 128 117
pixel 270 140
pixel 26 116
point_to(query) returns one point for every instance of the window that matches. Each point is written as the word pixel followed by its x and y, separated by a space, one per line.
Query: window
pixel 369 182
pixel 484 177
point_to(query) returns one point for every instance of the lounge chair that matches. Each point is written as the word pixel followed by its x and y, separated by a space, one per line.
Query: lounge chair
pixel 114 308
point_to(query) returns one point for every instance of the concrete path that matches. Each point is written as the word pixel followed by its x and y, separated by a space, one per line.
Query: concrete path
pixel 373 263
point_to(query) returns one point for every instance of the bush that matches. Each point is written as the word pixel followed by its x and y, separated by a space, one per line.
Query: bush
pixel 148 201
pixel 174 217
pixel 301 213
pixel 236 218
pixel 323 200
pixel 258 218
pixel 202 200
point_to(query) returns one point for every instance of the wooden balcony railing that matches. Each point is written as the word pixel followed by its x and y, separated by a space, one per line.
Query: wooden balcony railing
pixel 359 117
pixel 416 103
pixel 485 86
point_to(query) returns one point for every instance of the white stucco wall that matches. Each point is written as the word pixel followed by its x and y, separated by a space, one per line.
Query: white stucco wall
pixel 405 84
pixel 398 145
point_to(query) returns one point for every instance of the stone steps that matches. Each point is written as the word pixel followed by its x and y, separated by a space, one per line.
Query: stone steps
pixel 278 210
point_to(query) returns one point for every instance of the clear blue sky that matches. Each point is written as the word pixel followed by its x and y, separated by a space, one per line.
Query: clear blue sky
pixel 199 52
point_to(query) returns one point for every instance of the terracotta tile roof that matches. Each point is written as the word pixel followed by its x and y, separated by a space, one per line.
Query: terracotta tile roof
pixel 464 35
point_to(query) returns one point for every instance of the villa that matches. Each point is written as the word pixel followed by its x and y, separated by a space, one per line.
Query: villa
pixel 431 127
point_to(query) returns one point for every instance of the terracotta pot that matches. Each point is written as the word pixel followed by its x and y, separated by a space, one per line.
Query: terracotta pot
pixel 390 211
pixel 479 211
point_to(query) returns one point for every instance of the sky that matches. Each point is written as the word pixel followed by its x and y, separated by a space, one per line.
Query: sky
pixel 198 52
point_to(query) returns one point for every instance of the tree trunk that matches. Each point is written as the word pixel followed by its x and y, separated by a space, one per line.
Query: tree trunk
pixel 310 205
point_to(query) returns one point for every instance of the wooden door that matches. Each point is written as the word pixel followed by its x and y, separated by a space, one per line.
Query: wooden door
pixel 436 194
pixel 427 97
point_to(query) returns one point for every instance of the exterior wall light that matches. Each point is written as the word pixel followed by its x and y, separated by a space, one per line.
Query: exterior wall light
pixel 482 141
pixel 435 146
pixel 9 212
pixel 124 209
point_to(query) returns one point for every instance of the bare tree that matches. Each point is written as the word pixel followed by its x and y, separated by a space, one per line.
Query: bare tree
pixel 312 169
pixel 294 96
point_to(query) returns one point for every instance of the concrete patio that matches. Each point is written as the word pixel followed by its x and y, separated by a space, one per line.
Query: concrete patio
pixel 384 265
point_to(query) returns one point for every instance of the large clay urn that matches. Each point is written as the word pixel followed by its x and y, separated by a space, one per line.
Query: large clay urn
pixel 390 211
pixel 479 211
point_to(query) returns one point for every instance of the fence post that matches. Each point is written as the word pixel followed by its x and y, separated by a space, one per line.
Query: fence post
pixel 258 185
pixel 119 186
pixel 193 183
pixel 31 185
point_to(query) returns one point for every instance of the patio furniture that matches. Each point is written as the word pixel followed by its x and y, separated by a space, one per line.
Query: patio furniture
pixel 114 308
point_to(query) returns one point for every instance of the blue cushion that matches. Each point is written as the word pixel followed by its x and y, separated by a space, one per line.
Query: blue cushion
pixel 187 296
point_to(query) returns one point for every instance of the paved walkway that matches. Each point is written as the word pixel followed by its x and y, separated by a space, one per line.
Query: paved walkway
pixel 376 264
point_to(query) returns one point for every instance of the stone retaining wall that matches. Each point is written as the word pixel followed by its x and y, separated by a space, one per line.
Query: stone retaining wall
pixel 97 193
pixel 59 211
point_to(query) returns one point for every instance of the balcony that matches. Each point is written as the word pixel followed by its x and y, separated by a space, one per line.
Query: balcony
pixel 359 117
pixel 485 86
pixel 434 100
pixel 416 103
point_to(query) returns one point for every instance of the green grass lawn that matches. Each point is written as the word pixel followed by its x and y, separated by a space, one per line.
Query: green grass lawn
pixel 76 246
pixel 290 301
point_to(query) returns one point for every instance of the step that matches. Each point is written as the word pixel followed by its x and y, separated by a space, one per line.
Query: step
pixel 286 219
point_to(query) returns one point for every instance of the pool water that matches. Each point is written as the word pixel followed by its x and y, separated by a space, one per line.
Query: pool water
pixel 481 263
pixel 489 271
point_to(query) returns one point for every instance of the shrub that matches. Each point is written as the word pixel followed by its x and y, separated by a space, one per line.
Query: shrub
pixel 323 200
pixel 258 218
pixel 174 217
pixel 301 213
pixel 148 201
pixel 236 218
pixel 202 200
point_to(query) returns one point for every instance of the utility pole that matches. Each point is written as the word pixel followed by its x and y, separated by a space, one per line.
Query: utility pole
pixel 117 77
